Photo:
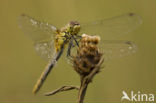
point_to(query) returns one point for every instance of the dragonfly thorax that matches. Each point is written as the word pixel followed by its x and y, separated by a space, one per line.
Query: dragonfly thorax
pixel 66 33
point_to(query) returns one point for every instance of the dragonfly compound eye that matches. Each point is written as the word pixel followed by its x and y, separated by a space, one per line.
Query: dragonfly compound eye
pixel 73 23
pixel 74 27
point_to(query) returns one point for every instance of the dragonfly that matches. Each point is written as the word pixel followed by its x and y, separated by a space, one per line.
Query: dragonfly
pixel 50 41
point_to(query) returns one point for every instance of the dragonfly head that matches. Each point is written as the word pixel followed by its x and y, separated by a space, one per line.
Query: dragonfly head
pixel 74 27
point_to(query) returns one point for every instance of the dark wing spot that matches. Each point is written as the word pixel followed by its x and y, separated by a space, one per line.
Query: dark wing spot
pixel 131 14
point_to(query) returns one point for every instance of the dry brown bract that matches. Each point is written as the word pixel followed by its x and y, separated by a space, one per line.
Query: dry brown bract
pixel 88 55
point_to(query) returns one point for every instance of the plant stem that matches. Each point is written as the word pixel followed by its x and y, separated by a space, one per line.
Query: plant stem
pixel 82 90
pixel 85 80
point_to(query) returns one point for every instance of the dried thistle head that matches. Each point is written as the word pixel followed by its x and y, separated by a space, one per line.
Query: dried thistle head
pixel 88 55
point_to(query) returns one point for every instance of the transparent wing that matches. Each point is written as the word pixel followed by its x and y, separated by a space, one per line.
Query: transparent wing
pixel 113 27
pixel 36 30
pixel 45 49
pixel 41 33
pixel 116 49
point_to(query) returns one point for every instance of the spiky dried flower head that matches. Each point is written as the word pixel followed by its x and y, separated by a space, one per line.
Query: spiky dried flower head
pixel 88 55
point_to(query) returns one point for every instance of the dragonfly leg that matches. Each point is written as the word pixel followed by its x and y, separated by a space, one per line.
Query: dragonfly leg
pixel 69 48
pixel 78 36
pixel 75 41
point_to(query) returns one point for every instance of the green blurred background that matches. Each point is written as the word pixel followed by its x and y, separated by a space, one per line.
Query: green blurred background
pixel 20 66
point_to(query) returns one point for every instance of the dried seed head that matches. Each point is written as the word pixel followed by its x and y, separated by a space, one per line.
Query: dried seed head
pixel 93 39
pixel 88 55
